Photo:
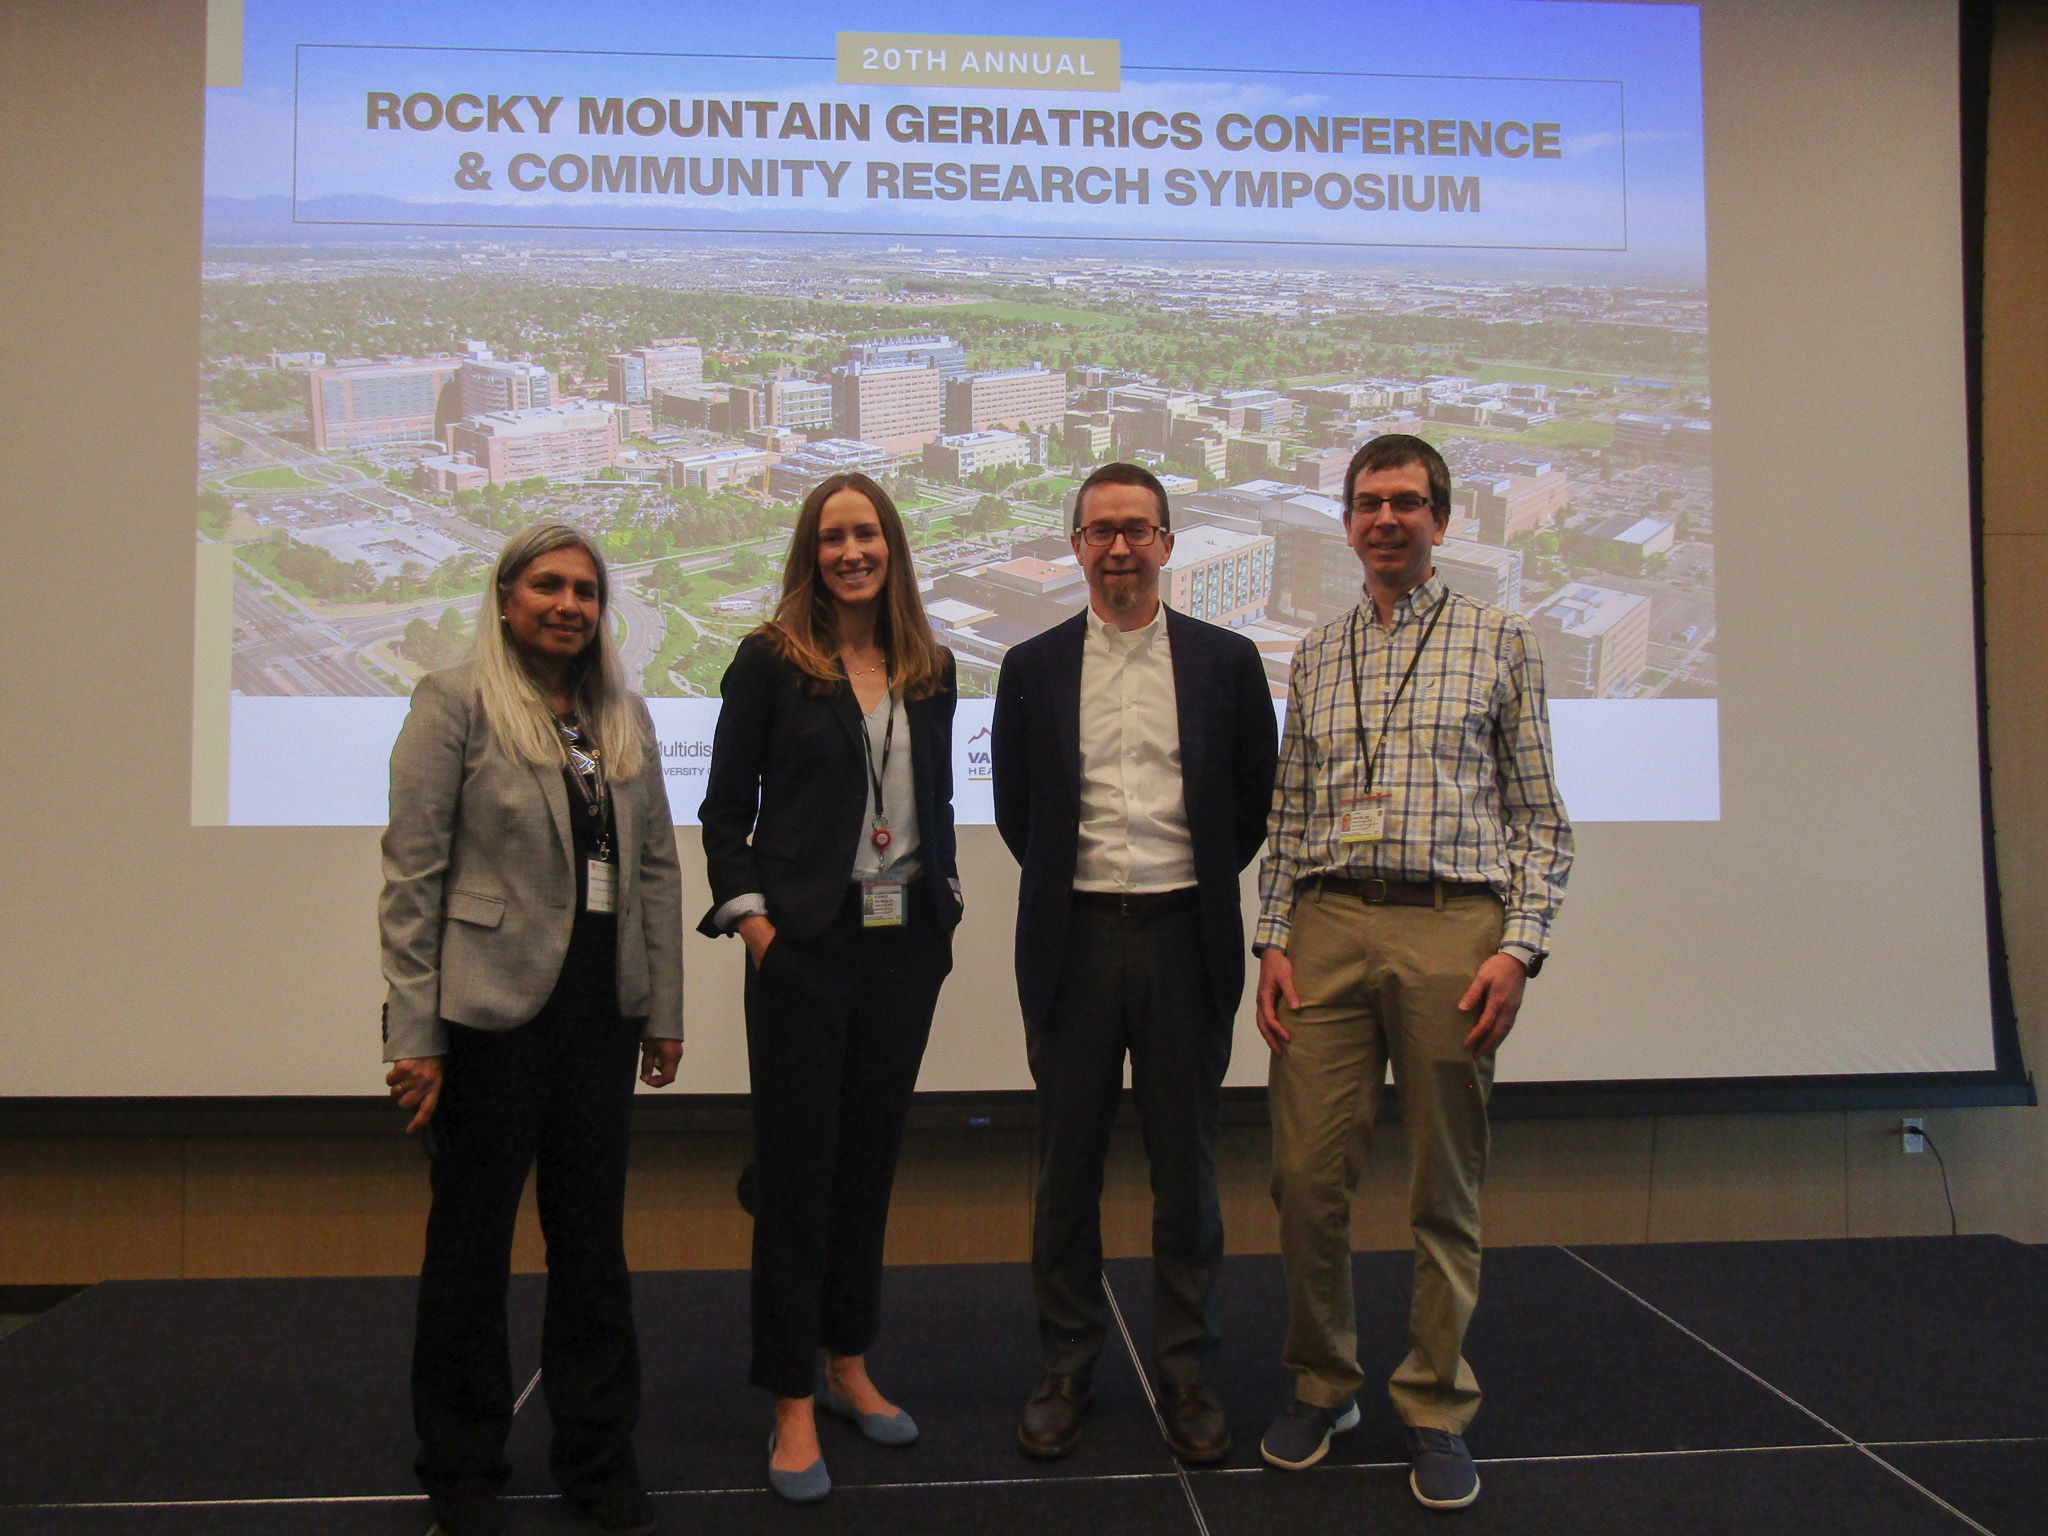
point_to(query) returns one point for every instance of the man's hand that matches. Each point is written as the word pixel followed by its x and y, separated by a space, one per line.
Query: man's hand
pixel 416 1083
pixel 1498 986
pixel 1276 980
pixel 757 933
pixel 659 1060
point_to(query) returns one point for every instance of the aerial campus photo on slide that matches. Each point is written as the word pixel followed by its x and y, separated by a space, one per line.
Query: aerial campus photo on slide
pixel 655 270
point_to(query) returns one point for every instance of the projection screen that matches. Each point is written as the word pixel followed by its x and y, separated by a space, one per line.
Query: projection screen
pixel 1670 285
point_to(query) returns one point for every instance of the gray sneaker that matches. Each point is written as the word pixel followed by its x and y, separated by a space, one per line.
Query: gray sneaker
pixel 1300 1437
pixel 1441 1475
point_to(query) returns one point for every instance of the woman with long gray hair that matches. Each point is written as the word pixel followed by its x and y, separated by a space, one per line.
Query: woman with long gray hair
pixel 532 930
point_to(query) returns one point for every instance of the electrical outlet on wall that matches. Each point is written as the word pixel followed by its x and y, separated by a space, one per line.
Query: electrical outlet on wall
pixel 1913 1134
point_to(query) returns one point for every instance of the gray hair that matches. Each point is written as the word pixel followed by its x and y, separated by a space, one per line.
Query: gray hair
pixel 512 702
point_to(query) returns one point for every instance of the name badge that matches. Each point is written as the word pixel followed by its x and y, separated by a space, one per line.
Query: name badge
pixel 881 904
pixel 600 886
pixel 1365 817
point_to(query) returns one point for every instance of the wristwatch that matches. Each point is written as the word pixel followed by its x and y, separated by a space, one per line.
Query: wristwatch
pixel 1532 962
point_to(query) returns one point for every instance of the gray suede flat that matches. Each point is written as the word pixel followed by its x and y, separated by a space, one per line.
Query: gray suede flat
pixel 897 1428
pixel 806 1486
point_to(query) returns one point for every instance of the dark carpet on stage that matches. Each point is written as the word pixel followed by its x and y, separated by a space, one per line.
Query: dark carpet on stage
pixel 1802 1388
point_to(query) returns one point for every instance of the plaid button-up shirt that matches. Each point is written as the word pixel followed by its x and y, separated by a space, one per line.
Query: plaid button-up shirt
pixel 1466 753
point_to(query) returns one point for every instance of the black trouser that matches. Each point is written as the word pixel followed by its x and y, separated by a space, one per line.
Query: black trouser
pixel 558 1091
pixel 1133 984
pixel 836 1028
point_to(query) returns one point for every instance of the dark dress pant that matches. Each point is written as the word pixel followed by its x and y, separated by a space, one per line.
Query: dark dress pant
pixel 1136 985
pixel 556 1092
pixel 836 1030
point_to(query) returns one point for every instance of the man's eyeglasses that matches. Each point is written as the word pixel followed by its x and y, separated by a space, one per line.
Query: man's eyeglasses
pixel 1407 503
pixel 1137 535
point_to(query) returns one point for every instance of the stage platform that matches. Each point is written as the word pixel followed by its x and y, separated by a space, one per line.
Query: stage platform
pixel 1893 1386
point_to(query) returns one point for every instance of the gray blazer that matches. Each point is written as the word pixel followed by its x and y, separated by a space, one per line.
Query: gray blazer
pixel 480 880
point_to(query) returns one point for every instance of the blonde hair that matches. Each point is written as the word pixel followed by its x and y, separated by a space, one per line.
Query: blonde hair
pixel 512 702
pixel 805 627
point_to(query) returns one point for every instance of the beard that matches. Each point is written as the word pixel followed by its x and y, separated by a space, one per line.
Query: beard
pixel 1123 590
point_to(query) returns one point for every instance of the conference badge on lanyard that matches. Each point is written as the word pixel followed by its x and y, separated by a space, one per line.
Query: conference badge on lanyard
pixel 1364 818
pixel 882 902
pixel 600 873
pixel 1363 815
pixel 600 886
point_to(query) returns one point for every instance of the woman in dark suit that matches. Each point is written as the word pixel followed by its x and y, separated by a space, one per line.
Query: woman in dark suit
pixel 828 829
pixel 532 927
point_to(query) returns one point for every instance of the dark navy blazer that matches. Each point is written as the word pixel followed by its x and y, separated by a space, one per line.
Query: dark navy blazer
pixel 1228 748
pixel 789 771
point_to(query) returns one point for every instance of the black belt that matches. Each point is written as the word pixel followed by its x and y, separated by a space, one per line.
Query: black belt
pixel 1141 903
pixel 1401 893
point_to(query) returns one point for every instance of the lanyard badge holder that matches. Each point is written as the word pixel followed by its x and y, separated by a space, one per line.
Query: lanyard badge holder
pixel 883 903
pixel 1363 816
pixel 600 872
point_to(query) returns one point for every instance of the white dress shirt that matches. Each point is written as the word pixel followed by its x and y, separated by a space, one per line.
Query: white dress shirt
pixel 1134 819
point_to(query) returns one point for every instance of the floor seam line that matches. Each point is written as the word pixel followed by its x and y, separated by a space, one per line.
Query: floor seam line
pixel 1847 1438
pixel 1145 1380
pixel 1324 1469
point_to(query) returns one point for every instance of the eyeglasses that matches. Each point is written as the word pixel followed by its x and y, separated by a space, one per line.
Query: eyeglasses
pixel 1407 503
pixel 1137 535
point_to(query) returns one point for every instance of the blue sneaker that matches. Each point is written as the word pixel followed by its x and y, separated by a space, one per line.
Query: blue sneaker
pixel 1441 1474
pixel 1300 1437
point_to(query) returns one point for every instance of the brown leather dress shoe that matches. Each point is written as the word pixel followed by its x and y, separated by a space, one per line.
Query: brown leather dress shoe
pixel 1052 1419
pixel 1196 1429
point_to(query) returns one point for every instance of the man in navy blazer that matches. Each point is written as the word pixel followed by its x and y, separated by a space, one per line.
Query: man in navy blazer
pixel 1133 760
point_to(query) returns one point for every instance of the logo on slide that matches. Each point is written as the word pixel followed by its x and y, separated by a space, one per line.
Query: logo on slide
pixel 977 756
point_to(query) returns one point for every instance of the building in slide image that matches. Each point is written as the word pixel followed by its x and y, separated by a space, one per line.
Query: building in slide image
pixel 797 405
pixel 794 476
pixel 1641 536
pixel 1314 574
pixel 1486 573
pixel 896 405
pixel 1034 397
pixel 1510 507
pixel 358 405
pixel 1675 439
pixel 940 352
pixel 1596 640
pixel 1322 469
pixel 489 384
pixel 955 458
pixel 1218 574
pixel 717 469
pixel 447 473
pixel 633 378
pixel 1087 435
pixel 555 442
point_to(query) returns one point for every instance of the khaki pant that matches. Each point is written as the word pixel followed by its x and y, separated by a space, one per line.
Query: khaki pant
pixel 1379 985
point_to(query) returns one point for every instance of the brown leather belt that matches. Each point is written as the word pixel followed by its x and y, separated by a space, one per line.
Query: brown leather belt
pixel 1141 903
pixel 1401 893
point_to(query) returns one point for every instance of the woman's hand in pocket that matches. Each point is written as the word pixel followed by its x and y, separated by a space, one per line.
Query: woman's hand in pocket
pixel 757 933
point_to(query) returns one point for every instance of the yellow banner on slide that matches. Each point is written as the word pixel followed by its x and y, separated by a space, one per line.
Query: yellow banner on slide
pixel 980 63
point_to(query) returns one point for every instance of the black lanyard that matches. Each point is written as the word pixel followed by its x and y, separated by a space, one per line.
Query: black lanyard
pixel 1358 686
pixel 588 772
pixel 876 775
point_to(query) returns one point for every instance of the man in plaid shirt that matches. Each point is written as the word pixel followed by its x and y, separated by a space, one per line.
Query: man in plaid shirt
pixel 1417 854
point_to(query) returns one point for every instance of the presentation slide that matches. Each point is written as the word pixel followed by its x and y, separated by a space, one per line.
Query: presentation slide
pixel 657 270
pixel 1678 290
